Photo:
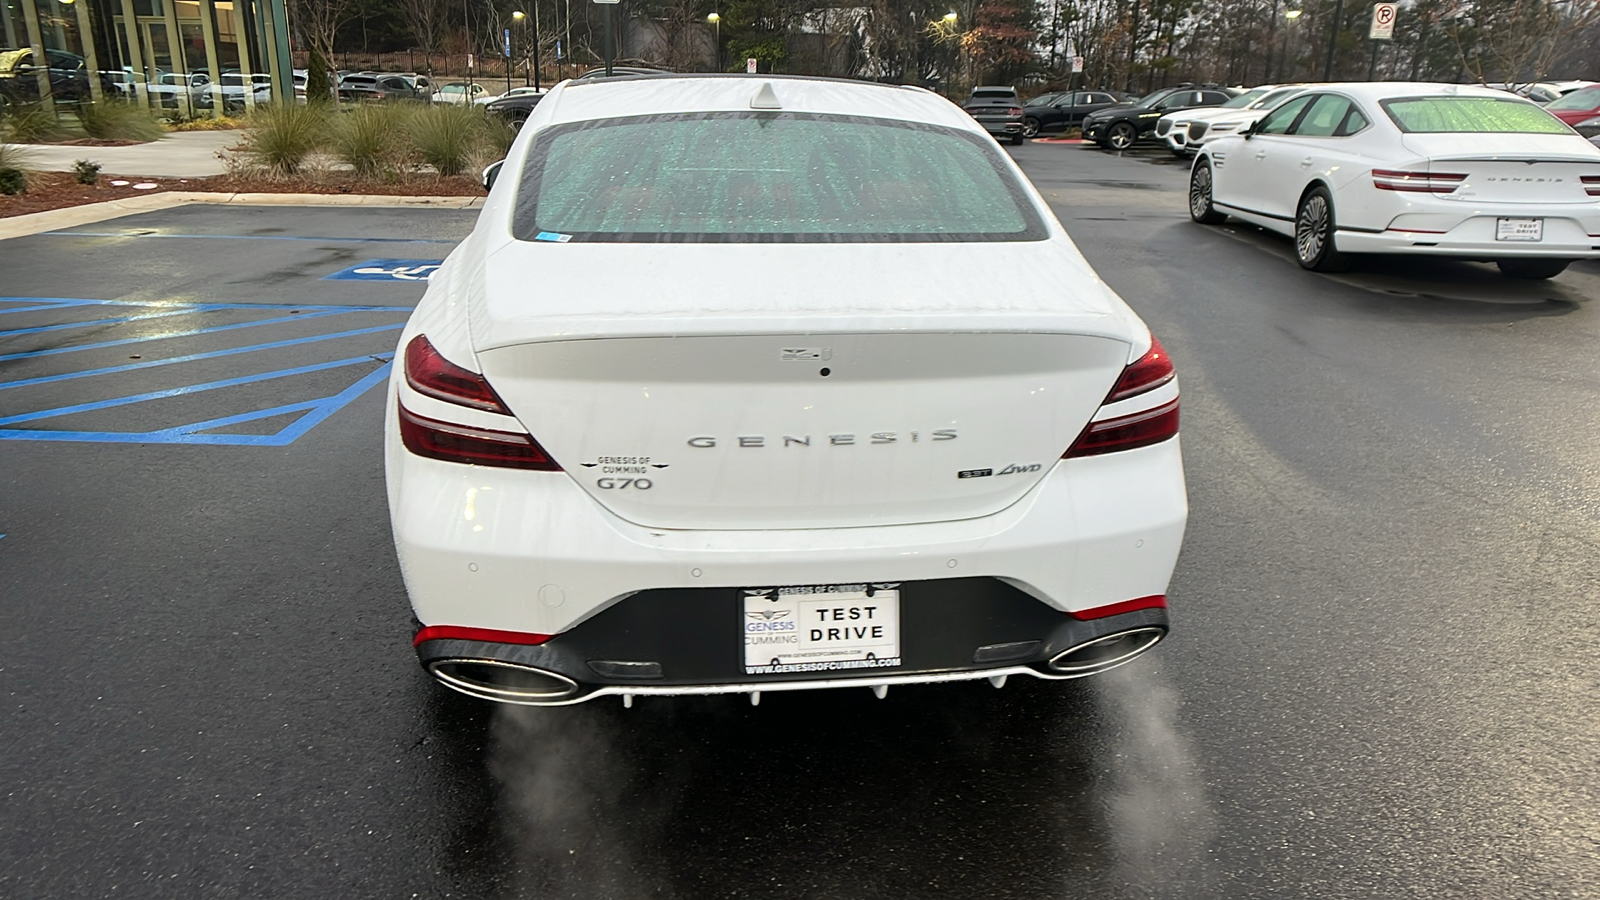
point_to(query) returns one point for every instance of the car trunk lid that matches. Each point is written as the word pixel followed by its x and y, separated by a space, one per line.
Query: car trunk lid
pixel 1511 168
pixel 816 395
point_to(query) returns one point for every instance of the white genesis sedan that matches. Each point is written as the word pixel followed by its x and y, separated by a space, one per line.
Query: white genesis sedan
pixel 722 394
pixel 1436 169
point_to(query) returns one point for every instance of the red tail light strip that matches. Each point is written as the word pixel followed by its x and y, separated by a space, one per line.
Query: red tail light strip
pixel 1416 182
pixel 1591 185
pixel 1147 373
pixel 1141 429
pixel 1158 601
pixel 431 374
pixel 466 444
pixel 463 633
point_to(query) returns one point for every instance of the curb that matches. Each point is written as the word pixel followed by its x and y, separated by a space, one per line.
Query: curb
pixel 89 213
pixel 1059 141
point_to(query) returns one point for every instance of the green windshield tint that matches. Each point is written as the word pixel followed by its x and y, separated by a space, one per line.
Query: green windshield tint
pixel 1465 115
pixel 763 177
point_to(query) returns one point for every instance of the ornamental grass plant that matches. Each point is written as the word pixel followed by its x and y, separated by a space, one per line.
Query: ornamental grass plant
pixel 114 120
pixel 371 138
pixel 14 170
pixel 280 138
pixel 449 137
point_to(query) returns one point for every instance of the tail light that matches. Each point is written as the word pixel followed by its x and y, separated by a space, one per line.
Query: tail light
pixel 1416 182
pixel 430 374
pixel 1142 424
pixel 1014 111
pixel 1591 184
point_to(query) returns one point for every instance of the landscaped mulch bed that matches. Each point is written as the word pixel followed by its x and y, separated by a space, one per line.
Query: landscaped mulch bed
pixel 57 190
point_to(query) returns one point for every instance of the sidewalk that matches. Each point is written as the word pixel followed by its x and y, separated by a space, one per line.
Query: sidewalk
pixel 184 154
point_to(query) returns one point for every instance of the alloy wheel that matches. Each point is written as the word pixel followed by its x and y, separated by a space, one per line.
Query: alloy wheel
pixel 1030 127
pixel 1121 136
pixel 1311 228
pixel 1200 192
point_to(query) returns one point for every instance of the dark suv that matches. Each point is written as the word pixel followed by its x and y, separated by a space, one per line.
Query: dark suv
pixel 1059 111
pixel 998 110
pixel 1120 127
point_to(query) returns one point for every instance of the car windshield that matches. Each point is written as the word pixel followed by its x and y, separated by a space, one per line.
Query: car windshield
pixel 1148 99
pixel 768 177
pixel 1583 98
pixel 1272 99
pixel 1245 99
pixel 453 89
pixel 1467 115
pixel 1002 94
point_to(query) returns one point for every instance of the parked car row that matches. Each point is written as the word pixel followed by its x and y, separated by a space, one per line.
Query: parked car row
pixel 1393 167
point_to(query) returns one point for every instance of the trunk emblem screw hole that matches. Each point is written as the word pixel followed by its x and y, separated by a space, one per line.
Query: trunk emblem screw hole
pixel 826 371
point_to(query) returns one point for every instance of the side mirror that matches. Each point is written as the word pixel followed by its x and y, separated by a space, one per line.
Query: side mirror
pixel 1250 129
pixel 490 174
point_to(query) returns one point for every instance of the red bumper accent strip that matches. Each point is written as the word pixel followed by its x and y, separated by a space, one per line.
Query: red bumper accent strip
pixel 1159 601
pixel 462 633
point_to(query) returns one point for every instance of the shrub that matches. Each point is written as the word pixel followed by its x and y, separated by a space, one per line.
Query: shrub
pixel 371 138
pixel 279 137
pixel 319 82
pixel 13 170
pixel 448 137
pixel 87 172
pixel 29 123
pixel 113 120
pixel 499 134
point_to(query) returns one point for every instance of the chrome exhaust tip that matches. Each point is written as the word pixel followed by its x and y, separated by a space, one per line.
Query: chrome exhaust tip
pixel 503 682
pixel 1107 652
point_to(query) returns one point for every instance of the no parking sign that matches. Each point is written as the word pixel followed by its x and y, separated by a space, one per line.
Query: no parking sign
pixel 1383 22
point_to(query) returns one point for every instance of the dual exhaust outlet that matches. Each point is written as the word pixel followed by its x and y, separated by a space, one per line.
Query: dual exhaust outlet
pixel 511 682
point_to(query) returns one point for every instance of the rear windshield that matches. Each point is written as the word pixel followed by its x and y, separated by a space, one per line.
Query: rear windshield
pixel 768 177
pixel 993 94
pixel 1582 98
pixel 1464 115
pixel 1245 99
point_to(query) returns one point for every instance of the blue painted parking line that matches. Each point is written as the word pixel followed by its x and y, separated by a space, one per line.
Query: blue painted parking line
pixel 56 351
pixel 388 270
pixel 311 411
pixel 192 357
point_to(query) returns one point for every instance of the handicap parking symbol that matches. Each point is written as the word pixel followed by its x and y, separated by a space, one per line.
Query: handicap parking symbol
pixel 388 270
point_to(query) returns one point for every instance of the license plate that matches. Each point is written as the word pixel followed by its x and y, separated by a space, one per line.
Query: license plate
pixel 1529 230
pixel 826 628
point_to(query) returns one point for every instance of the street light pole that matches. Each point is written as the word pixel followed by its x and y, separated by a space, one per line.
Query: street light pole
pixel 1333 39
pixel 536 45
pixel 716 20
pixel 517 16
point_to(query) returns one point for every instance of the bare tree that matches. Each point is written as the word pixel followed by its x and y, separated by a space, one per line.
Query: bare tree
pixel 427 20
pixel 1517 40
pixel 319 22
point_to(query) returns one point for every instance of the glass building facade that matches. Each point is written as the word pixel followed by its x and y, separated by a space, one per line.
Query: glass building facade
pixel 195 57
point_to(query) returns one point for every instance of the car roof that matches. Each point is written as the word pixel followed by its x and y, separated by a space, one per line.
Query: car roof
pixel 1374 91
pixel 574 101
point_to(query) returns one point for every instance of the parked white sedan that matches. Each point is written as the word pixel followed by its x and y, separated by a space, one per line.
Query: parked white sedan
pixel 1431 169
pixel 791 437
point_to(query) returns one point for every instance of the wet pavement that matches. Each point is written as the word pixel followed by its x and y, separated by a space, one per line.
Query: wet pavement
pixel 1381 680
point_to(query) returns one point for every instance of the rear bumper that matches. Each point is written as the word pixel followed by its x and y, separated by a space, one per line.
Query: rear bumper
pixel 1002 129
pixel 1473 236
pixel 679 642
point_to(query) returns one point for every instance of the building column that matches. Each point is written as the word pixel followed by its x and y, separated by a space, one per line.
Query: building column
pixel 208 33
pixel 180 64
pixel 90 55
pixel 41 65
pixel 141 75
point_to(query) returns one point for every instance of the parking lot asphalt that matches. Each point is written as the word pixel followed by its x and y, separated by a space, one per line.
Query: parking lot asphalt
pixel 1381 680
